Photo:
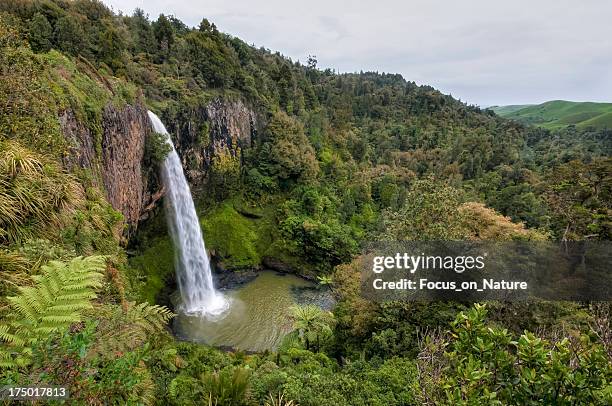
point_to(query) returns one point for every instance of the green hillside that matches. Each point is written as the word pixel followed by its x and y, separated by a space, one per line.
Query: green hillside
pixel 560 113
pixel 292 169
pixel 509 109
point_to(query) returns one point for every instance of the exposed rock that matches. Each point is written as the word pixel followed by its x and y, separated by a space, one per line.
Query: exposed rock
pixel 117 163
pixel 276 264
pixel 210 135
pixel 217 131
pixel 82 152
pixel 225 280
pixel 123 145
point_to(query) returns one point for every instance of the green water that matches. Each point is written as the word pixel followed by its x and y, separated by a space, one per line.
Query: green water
pixel 258 318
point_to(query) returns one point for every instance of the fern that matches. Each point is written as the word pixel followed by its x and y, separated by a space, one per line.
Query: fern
pixel 150 318
pixel 60 294
pixel 126 328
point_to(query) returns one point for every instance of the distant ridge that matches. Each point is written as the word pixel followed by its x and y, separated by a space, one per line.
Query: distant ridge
pixel 560 113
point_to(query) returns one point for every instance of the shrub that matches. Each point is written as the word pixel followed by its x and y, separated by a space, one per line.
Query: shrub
pixel 156 148
pixel 486 365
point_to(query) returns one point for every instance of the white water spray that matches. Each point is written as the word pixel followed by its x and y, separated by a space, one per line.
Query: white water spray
pixel 193 272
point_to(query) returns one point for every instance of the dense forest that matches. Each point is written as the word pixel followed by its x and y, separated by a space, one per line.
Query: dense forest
pixel 332 161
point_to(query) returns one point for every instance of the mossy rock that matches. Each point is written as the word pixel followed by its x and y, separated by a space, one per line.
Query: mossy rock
pixel 232 236
pixel 248 211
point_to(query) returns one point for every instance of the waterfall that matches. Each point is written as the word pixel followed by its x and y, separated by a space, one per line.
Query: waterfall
pixel 198 294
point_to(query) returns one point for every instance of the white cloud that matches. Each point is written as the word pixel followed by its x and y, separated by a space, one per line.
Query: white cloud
pixel 482 51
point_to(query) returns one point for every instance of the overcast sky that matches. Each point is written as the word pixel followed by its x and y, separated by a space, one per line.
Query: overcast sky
pixel 484 52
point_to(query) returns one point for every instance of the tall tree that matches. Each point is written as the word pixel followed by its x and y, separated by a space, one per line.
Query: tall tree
pixel 41 33
pixel 68 35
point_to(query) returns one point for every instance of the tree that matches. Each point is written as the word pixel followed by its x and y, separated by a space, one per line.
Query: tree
pixel 312 323
pixel 311 62
pixel 430 212
pixel 111 46
pixel 142 33
pixel 164 34
pixel 579 195
pixel 208 28
pixel 69 35
pixel 286 153
pixel 41 33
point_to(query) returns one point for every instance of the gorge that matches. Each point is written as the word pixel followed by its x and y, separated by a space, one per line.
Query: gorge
pixel 287 171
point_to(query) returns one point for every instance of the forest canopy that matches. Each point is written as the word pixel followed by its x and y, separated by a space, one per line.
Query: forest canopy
pixel 335 160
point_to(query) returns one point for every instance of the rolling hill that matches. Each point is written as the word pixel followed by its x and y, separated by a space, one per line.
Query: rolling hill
pixel 560 113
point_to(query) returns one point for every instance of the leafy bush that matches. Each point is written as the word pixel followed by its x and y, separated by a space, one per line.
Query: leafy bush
pixel 227 387
pixel 486 365
pixel 33 192
pixel 156 148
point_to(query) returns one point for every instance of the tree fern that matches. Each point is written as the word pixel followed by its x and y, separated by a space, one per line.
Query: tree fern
pixel 60 294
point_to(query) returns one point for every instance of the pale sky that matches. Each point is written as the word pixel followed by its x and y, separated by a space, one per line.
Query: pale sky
pixel 484 52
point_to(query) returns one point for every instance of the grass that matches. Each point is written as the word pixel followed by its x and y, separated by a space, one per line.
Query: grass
pixel 560 113
pixel 509 109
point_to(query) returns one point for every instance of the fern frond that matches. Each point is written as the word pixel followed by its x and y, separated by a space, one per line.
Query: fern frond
pixel 60 295
pixel 151 318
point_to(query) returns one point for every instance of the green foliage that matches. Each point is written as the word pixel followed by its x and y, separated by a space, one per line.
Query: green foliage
pixel 233 237
pixel 33 192
pixel 30 118
pixel 60 295
pixel 40 33
pixel 228 387
pixel 579 195
pixel 150 271
pixel 157 148
pixel 67 29
pixel 128 327
pixel 285 153
pixel 430 212
pixel 311 228
pixel 313 325
pixel 68 360
pixel 37 198
pixel 335 159
pixel 486 366
pixel 357 384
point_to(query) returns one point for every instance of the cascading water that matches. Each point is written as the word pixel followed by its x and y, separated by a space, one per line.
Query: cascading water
pixel 193 272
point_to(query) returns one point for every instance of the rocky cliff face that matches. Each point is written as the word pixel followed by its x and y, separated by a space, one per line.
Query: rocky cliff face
pixel 206 138
pixel 123 145
pixel 117 162
pixel 213 135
